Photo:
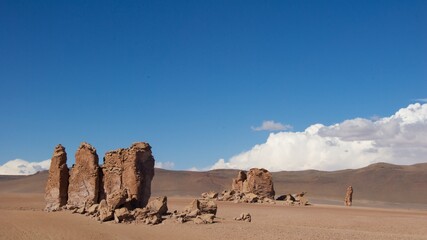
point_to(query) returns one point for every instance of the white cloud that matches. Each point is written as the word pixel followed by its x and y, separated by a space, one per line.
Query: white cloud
pixel 421 100
pixel 399 139
pixel 22 167
pixel 164 165
pixel 271 126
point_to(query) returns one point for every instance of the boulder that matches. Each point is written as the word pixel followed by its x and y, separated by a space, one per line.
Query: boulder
pixel 105 212
pixel 131 169
pixel 203 206
pixel 56 191
pixel 84 179
pixel 259 182
pixel 123 215
pixel 158 206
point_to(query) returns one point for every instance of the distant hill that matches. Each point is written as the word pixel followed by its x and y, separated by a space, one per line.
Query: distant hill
pixel 377 182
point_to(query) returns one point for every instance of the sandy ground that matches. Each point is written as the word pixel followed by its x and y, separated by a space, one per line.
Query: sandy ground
pixel 21 217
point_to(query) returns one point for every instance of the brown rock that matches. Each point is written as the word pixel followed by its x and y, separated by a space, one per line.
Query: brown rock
pixel 259 182
pixel 348 201
pixel 203 206
pixel 210 195
pixel 105 213
pixel 207 218
pixel 122 215
pixel 244 217
pixel 158 206
pixel 238 183
pixel 84 180
pixel 117 199
pixel 56 191
pixel 131 169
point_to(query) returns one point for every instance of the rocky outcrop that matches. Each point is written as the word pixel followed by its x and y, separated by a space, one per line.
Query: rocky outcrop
pixel 254 186
pixel 56 191
pixel 348 201
pixel 259 182
pixel 84 180
pixel 120 191
pixel 239 182
pixel 128 170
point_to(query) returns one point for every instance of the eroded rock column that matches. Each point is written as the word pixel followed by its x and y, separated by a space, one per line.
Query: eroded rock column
pixel 349 196
pixel 56 191
pixel 84 180
pixel 127 176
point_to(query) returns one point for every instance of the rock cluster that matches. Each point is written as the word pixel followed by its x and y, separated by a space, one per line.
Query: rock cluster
pixel 199 211
pixel 294 199
pixel 119 191
pixel 256 186
pixel 57 183
pixel 348 201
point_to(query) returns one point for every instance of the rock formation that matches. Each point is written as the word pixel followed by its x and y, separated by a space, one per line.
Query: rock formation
pixel 239 182
pixel 56 192
pixel 120 191
pixel 84 180
pixel 259 182
pixel 127 176
pixel 349 196
pixel 251 187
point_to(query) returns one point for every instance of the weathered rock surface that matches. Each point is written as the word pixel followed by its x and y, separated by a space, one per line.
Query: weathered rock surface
pixel 259 182
pixel 104 211
pixel 84 179
pixel 348 201
pixel 56 191
pixel 239 182
pixel 130 170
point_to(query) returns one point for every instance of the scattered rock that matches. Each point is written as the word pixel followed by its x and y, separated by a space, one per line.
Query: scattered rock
pixel 92 209
pixel 210 195
pixel 244 217
pixel 158 206
pixel 123 215
pixel 105 212
pixel 56 191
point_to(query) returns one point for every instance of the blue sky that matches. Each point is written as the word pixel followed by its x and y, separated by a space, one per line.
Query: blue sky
pixel 194 78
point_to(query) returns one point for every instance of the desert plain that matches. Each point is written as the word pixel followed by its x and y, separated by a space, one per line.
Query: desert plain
pixel 390 202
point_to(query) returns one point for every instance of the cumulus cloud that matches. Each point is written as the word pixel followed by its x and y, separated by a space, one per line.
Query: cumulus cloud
pixel 164 165
pixel 271 126
pixel 22 167
pixel 399 139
